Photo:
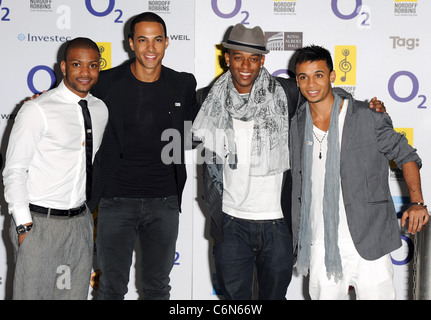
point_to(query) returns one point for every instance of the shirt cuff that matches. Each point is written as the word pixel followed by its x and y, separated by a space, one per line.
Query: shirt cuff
pixel 22 216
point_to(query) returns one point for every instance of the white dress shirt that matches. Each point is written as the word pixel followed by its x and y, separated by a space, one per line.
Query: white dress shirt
pixel 45 158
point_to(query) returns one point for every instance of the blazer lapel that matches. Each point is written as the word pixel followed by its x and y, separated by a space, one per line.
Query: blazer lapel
pixel 175 105
pixel 301 129
pixel 348 129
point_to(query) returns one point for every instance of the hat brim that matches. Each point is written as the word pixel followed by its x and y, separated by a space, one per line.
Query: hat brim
pixel 245 48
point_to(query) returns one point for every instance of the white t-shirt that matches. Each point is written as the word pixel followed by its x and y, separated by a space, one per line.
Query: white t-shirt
pixel 318 181
pixel 245 196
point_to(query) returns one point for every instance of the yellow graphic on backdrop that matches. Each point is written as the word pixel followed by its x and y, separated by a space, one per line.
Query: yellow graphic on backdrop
pixel 345 65
pixel 220 63
pixel 407 132
pixel 105 55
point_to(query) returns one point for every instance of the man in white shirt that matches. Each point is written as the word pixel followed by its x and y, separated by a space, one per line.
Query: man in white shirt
pixel 344 222
pixel 45 181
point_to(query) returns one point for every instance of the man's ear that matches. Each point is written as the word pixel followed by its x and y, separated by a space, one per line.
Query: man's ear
pixel 63 67
pixel 262 60
pixel 332 76
pixel 227 58
pixel 132 46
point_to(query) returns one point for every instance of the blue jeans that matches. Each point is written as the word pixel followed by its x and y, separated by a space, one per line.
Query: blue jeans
pixel 120 222
pixel 266 245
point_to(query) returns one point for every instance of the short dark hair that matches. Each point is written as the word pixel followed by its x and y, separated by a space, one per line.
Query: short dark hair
pixel 82 43
pixel 314 53
pixel 146 17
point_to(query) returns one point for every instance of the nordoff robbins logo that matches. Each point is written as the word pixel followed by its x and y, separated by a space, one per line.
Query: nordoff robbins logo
pixel 285 7
pixel 345 68
pixel 405 7
pixel 159 6
pixel 41 5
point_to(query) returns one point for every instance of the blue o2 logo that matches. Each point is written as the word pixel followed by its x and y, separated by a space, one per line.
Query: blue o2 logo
pixel 177 259
pixel 334 6
pixel 31 74
pixel 233 13
pixel 4 13
pixel 107 11
pixel 410 253
pixel 282 72
pixel 414 92
pixel 362 12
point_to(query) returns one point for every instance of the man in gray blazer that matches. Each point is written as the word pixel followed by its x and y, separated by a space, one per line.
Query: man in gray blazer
pixel 343 218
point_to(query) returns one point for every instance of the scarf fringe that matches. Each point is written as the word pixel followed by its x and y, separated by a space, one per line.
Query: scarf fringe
pixel 337 276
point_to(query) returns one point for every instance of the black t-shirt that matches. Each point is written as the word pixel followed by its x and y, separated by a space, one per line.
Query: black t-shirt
pixel 142 173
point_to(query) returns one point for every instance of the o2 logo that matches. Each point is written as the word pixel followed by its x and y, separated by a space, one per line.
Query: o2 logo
pixel 415 88
pixel 33 71
pixel 4 15
pixel 233 13
pixel 286 72
pixel 176 259
pixel 364 12
pixel 410 252
pixel 109 9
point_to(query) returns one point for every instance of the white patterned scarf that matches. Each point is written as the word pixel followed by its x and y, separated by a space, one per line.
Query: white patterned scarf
pixel 266 105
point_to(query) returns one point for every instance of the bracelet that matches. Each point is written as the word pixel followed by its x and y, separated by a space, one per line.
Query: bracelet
pixel 418 203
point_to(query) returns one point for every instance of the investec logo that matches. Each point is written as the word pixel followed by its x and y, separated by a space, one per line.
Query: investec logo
pixel 42 38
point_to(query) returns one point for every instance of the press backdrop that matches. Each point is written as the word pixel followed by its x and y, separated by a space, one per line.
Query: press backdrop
pixel 380 48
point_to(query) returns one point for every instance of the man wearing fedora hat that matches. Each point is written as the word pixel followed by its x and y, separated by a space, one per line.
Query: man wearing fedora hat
pixel 243 124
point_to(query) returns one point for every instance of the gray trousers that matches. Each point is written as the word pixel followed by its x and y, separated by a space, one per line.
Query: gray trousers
pixel 55 259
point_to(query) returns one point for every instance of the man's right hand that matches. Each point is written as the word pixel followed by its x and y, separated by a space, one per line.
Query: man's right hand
pixel 34 96
pixel 22 236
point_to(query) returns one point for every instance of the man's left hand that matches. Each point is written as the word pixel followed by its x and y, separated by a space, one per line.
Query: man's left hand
pixel 377 105
pixel 418 217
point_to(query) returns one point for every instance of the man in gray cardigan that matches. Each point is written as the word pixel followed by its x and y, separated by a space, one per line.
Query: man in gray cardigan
pixel 343 218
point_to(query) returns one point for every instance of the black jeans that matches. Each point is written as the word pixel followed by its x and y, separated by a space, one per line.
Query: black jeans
pixel 266 245
pixel 120 221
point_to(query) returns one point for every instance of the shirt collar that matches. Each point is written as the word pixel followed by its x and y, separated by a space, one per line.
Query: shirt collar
pixel 69 95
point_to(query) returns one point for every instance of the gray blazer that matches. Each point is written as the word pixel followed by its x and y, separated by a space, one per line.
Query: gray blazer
pixel 368 142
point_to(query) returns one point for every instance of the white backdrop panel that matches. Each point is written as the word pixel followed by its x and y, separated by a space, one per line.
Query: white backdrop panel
pixel 389 46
